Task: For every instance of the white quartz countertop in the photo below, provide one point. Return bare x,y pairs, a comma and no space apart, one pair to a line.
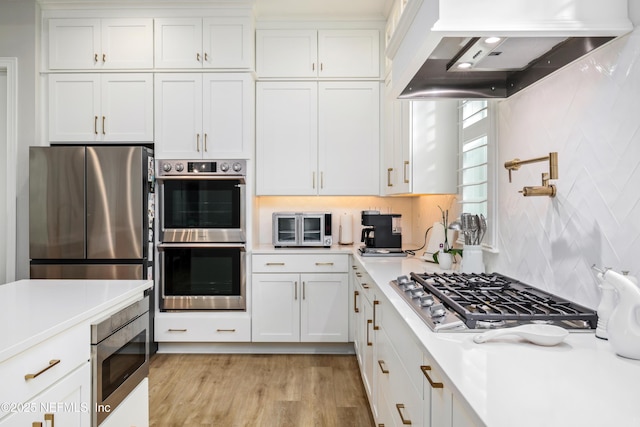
34,310
510,382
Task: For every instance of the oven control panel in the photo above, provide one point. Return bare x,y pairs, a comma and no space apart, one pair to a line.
203,167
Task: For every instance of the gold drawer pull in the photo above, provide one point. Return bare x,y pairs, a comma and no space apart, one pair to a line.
225,330
271,264
400,407
324,263
52,363
177,330
358,274
355,302
365,285
383,368
369,321
49,417
426,374
375,303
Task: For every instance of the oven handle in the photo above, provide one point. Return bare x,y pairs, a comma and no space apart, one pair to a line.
240,246
203,177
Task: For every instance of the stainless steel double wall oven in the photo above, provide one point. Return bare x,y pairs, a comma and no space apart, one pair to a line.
202,246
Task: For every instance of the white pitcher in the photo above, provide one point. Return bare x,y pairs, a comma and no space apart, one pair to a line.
623,327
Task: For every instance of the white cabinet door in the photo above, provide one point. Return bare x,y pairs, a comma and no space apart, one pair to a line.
127,108
324,308
227,42
276,307
396,170
74,107
348,138
83,44
178,116
286,53
100,108
286,138
178,43
349,53
127,43
74,44
133,411
324,53
227,112
66,403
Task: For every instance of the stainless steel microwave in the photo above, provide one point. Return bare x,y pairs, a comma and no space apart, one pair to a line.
291,229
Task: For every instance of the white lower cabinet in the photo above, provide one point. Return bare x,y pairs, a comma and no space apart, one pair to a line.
295,299
202,327
133,411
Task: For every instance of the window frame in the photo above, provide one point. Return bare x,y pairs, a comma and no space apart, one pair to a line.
483,127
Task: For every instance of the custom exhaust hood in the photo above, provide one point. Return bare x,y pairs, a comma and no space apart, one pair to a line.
494,48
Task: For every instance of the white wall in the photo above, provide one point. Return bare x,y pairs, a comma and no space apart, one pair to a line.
18,20
588,113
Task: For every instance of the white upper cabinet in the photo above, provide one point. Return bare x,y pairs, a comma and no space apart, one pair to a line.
214,42
101,107
202,115
317,138
110,44
318,53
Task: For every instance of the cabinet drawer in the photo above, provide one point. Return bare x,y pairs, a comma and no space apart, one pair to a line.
402,341
303,263
200,328
48,362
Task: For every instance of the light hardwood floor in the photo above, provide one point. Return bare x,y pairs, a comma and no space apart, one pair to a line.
229,390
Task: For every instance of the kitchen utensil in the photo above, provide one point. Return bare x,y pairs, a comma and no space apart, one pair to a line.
546,335
483,227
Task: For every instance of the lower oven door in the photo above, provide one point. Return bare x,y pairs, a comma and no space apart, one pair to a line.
120,363
202,276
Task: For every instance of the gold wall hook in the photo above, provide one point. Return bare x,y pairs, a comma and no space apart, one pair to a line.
546,189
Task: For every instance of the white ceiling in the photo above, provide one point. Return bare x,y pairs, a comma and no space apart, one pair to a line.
316,9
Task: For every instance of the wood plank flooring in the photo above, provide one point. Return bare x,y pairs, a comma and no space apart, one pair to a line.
257,390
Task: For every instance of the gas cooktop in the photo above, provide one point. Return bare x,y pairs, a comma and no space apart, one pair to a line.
464,302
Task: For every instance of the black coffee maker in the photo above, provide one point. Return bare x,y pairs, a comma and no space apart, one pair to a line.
381,234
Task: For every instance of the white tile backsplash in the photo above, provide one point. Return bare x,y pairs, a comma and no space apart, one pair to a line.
588,113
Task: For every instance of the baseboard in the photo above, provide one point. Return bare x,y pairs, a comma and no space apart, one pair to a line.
257,348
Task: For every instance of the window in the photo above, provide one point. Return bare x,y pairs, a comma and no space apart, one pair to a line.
477,193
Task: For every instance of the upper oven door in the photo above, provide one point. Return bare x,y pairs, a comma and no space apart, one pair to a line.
202,209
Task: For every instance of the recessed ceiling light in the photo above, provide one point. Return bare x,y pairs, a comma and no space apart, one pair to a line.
492,40
464,65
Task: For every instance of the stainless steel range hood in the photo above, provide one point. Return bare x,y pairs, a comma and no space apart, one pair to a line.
494,48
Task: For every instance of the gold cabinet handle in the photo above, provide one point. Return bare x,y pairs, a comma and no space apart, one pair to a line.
198,56
425,370
369,321
304,290
375,326
404,171
104,57
206,56
383,365
225,330
198,142
358,274
205,142
321,180
49,417
313,66
52,363
295,290
36,424
354,267
177,330
365,285
103,122
389,170
271,264
324,263
321,66
95,58
355,302
400,407
313,180
95,124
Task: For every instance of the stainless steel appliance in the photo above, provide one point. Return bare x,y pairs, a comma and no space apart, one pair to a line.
381,234
119,357
91,212
301,229
450,302
202,200
202,208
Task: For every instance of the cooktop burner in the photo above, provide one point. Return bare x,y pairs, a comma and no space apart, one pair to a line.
460,301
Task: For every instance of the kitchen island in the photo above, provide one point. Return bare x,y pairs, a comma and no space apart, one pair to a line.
45,346
508,381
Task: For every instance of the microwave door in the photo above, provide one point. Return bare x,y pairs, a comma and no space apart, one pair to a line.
310,230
